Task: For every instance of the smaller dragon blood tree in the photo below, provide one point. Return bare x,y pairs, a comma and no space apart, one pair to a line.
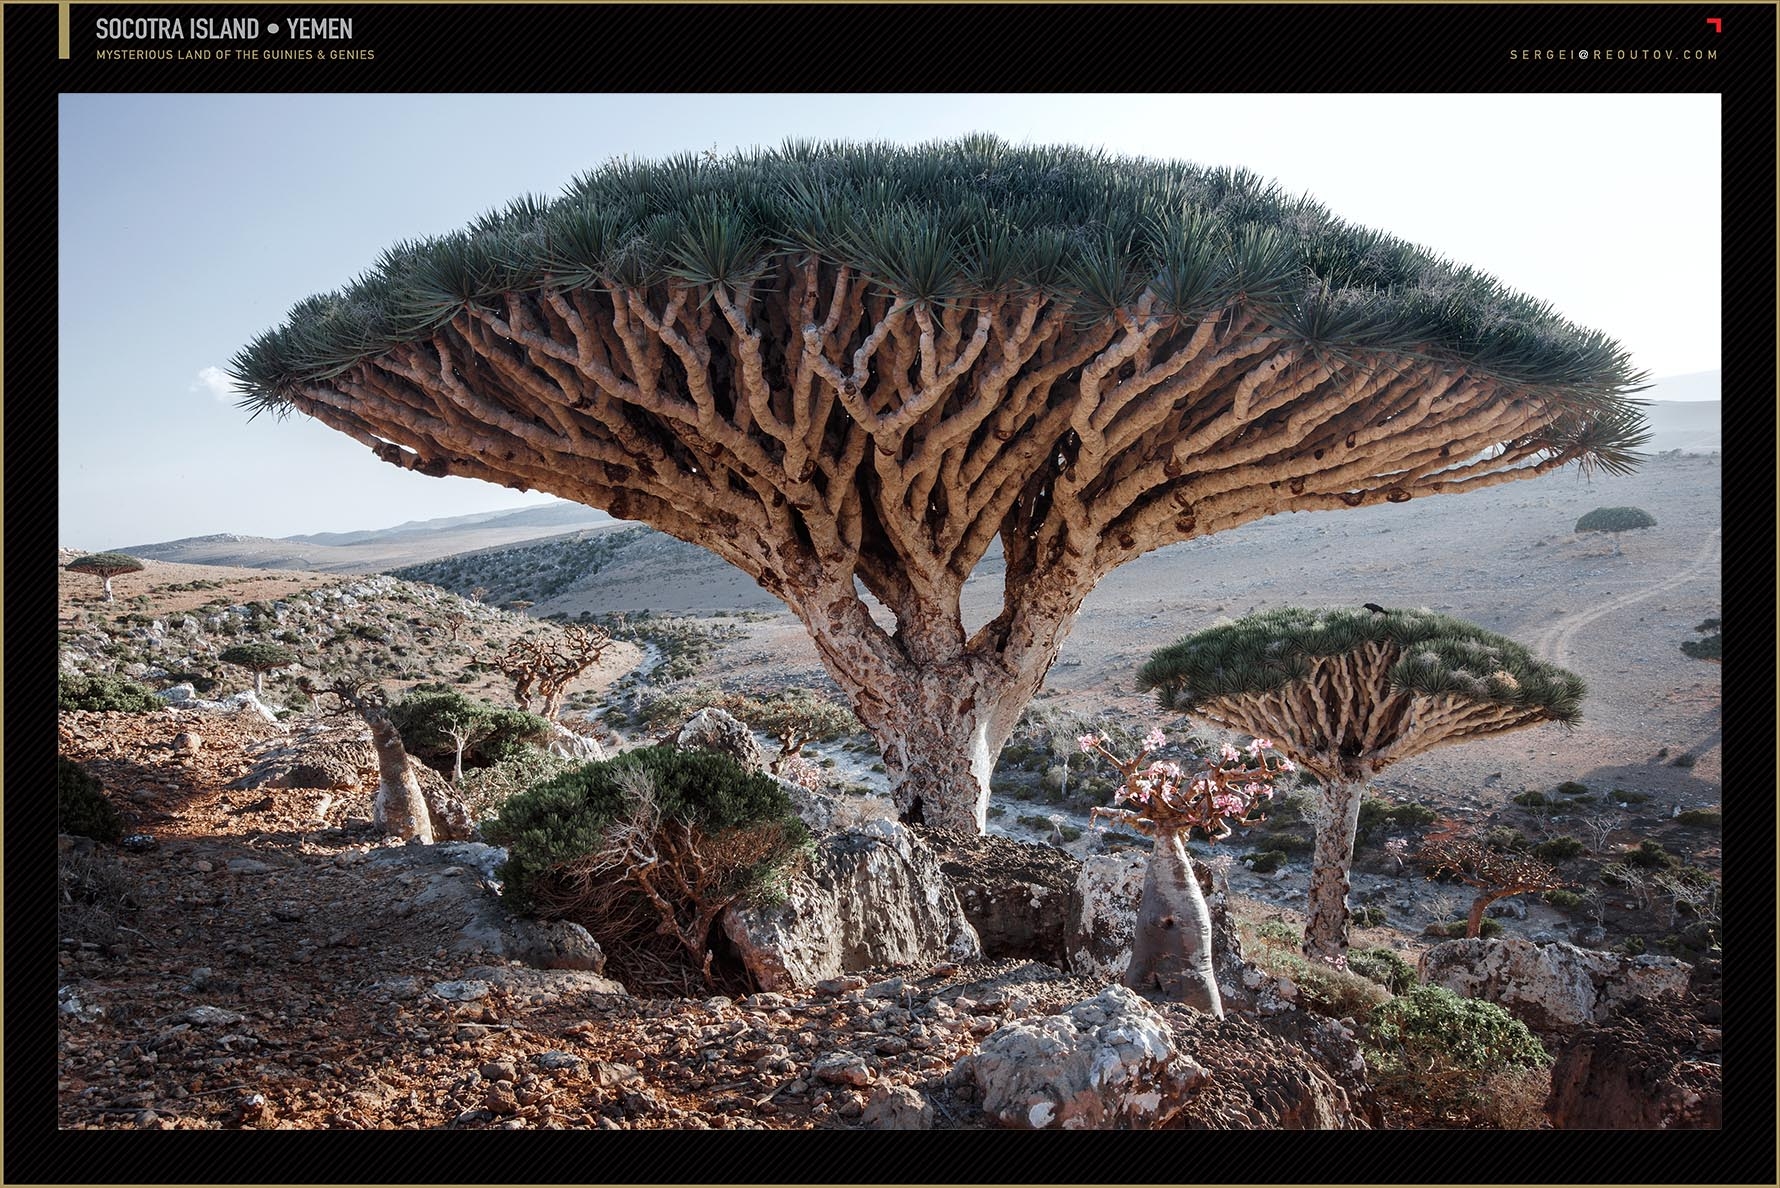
1171,952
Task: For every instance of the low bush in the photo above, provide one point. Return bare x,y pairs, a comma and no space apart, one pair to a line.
1322,988
1368,917
493,733
1625,797
1504,840
81,806
1384,967
485,789
1532,798
1378,815
1651,856
1707,817
1449,1055
1264,861
104,693
1567,901
646,848
1277,934
1558,849
1570,788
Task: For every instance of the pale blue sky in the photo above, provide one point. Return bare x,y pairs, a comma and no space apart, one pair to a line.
190,223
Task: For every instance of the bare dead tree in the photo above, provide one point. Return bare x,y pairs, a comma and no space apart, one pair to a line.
550,664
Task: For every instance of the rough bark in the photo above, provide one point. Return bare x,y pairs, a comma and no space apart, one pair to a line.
1171,951
107,578
822,433
1326,915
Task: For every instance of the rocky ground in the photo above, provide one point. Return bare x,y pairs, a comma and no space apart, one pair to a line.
252,957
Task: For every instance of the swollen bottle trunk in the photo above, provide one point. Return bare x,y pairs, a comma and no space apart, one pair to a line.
1171,952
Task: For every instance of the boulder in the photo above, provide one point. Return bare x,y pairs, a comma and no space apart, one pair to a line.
1258,1079
1555,986
570,745
178,694
870,897
331,759
1653,1068
1108,1063
712,729
1020,897
897,1107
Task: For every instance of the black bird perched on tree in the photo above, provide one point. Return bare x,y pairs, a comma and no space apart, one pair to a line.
1375,608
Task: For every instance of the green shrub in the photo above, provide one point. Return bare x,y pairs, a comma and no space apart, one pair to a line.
1651,856
1264,861
1505,840
1567,901
1384,967
1277,934
566,817
1624,797
424,717
1324,989
485,789
1558,849
1685,759
1532,798
1377,813
1709,817
1632,946
104,693
1570,788
1450,1055
1368,917
1488,927
81,806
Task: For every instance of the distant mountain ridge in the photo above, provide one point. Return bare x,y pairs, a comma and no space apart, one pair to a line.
379,549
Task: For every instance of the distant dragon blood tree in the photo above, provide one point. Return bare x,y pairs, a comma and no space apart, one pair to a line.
1614,520
1347,693
259,659
852,368
104,566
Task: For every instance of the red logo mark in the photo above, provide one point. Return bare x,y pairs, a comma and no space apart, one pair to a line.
1717,24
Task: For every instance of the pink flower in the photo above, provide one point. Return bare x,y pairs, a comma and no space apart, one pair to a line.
1229,754
1087,742
1258,745
1154,740
1252,790
1286,764
1228,803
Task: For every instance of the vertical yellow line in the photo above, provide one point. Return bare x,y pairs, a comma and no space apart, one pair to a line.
62,21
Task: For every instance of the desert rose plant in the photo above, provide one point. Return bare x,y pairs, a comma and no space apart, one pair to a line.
1171,952
852,369
1347,693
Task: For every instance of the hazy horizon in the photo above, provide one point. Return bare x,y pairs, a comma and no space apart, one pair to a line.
153,448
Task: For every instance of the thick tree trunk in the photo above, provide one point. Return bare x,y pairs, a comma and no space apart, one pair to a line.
258,677
108,588
1326,915
1171,952
400,807
1474,924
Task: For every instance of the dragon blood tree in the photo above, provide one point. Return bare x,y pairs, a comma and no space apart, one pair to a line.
852,369
104,566
1495,874
1347,693
1171,951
